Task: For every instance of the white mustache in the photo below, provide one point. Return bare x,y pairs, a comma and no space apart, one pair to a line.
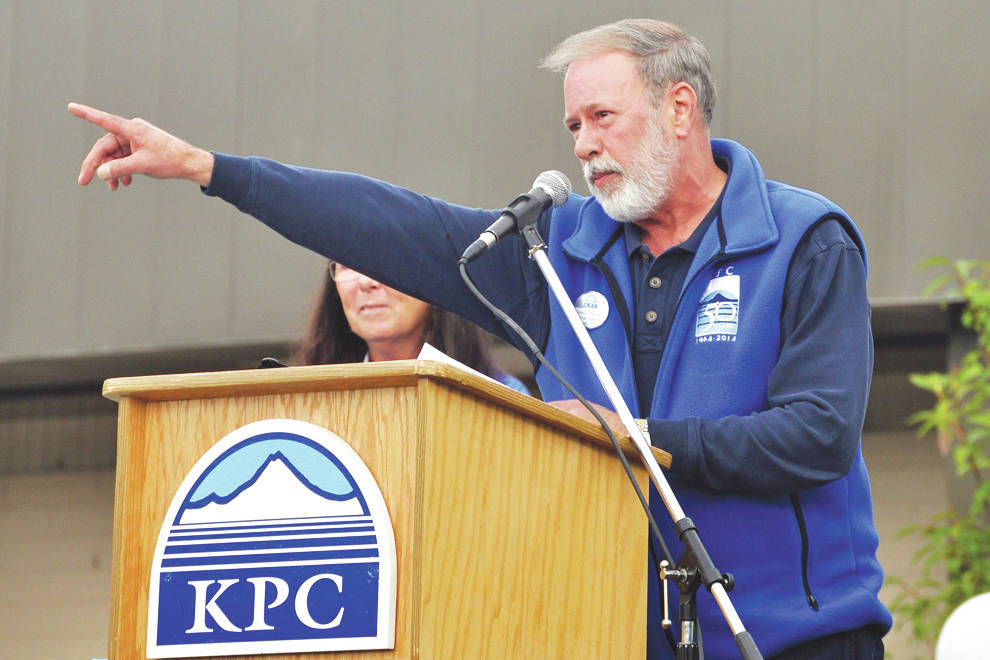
600,165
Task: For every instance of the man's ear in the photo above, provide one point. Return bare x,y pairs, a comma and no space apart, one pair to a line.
682,108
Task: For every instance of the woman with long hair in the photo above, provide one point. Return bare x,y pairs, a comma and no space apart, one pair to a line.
356,318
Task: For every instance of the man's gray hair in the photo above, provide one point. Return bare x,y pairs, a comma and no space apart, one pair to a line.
667,55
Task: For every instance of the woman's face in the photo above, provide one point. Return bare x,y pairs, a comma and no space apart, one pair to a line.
391,323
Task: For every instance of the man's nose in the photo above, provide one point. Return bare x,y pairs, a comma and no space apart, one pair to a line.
587,144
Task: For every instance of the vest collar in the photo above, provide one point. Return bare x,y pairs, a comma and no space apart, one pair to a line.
746,223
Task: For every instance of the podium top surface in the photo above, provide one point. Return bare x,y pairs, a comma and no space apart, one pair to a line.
250,382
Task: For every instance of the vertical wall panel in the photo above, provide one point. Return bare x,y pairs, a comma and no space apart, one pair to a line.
436,93
6,54
773,86
860,123
194,233
948,140
356,99
42,213
276,91
509,152
116,279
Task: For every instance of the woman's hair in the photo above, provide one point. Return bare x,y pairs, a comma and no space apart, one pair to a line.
328,338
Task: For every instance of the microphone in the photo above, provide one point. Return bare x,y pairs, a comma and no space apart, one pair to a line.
550,188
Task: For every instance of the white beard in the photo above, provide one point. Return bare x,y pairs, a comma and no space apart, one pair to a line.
646,183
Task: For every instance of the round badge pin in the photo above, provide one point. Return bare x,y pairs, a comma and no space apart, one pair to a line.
592,308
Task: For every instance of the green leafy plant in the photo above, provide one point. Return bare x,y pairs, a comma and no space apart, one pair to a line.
954,559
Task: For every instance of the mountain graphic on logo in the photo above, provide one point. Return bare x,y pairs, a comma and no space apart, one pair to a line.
276,491
717,297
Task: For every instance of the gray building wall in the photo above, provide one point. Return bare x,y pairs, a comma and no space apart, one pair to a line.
879,106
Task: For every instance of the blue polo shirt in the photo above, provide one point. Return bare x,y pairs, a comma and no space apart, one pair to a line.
658,281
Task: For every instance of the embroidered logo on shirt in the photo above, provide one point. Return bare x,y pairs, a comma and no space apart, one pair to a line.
718,310
592,308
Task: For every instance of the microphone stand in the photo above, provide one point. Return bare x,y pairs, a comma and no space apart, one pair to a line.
695,567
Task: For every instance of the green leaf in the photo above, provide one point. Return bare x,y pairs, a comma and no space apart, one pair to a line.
931,262
932,381
936,284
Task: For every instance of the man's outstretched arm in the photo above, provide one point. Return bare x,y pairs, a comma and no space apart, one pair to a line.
133,146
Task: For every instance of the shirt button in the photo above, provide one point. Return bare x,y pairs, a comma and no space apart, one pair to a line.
651,316
645,256
655,282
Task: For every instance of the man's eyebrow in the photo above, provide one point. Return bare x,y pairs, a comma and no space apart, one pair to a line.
591,107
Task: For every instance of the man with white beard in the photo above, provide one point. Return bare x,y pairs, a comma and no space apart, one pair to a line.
731,311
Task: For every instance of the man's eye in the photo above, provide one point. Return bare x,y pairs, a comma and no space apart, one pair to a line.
574,128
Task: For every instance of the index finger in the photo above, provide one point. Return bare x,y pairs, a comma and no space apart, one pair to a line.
104,120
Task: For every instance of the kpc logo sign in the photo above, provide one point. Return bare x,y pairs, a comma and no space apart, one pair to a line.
277,541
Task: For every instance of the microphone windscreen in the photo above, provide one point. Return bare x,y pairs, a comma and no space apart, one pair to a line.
555,184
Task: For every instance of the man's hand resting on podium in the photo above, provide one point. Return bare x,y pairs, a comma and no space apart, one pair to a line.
133,146
575,407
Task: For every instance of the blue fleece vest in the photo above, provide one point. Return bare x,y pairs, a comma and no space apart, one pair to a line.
723,343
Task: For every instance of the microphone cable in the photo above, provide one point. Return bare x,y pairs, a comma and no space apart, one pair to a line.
538,354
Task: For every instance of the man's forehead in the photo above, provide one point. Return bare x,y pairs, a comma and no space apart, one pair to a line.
615,62
601,78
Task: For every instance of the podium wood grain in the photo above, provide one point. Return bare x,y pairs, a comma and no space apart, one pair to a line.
517,533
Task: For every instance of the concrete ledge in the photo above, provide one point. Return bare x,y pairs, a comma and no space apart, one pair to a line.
60,372
54,418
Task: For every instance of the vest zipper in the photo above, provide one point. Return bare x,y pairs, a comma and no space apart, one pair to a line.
803,528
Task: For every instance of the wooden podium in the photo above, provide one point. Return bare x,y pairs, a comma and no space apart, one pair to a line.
517,533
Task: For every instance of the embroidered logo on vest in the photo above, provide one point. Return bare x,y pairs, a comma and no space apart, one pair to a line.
718,310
